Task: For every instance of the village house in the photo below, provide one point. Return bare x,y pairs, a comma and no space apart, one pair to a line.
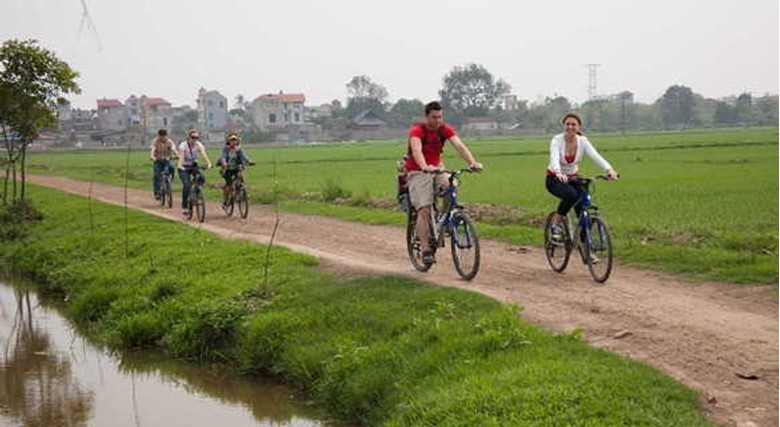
278,111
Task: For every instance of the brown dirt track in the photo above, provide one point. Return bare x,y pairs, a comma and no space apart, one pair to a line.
720,339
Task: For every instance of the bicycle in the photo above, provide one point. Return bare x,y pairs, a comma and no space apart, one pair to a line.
196,203
166,187
594,243
237,194
464,241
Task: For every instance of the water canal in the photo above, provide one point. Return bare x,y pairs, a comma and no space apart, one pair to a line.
50,375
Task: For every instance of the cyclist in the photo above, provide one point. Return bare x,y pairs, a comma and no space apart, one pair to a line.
189,152
426,142
161,152
566,152
230,162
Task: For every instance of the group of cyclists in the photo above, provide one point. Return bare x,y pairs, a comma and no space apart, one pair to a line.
424,158
163,150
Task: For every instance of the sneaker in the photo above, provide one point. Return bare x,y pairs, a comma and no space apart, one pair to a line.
224,206
185,211
593,259
157,197
428,258
556,233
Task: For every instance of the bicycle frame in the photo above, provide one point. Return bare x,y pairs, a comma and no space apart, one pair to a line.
443,221
587,210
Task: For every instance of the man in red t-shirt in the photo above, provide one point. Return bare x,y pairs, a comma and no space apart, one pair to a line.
426,142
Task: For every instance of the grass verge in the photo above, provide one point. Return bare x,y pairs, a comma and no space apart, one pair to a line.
377,351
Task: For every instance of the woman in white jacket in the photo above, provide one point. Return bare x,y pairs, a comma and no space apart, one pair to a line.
566,152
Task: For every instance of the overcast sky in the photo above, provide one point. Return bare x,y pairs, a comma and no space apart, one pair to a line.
170,48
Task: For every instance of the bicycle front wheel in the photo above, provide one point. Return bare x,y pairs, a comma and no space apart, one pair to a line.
243,203
557,251
231,201
598,250
464,243
413,246
200,204
167,196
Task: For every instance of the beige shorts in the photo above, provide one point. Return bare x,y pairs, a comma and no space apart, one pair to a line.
421,192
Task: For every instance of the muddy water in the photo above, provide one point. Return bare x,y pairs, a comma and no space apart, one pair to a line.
52,376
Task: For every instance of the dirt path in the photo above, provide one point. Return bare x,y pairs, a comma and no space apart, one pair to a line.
720,339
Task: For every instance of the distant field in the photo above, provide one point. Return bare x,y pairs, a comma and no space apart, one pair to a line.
704,203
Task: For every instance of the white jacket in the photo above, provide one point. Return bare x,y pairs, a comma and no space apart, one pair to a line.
557,156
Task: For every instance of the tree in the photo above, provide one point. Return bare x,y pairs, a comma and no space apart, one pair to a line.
471,91
725,113
365,95
406,111
744,109
363,87
677,106
32,81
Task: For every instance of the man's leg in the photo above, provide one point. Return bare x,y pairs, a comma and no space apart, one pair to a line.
421,197
157,167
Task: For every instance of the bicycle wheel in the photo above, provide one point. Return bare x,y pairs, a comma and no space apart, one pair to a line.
598,250
413,247
190,203
162,192
167,196
557,252
200,204
230,202
464,243
243,202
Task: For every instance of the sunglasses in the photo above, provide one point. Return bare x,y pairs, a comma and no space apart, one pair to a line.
194,137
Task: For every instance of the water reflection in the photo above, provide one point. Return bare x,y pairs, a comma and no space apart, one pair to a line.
51,376
37,387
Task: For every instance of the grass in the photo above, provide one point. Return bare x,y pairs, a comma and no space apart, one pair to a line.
701,203
375,351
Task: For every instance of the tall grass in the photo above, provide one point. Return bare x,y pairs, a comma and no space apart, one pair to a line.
376,351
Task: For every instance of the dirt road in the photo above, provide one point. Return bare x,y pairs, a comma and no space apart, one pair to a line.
720,339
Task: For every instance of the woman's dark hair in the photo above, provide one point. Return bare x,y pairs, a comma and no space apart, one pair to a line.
432,106
162,132
571,116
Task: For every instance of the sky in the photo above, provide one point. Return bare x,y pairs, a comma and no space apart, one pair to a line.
171,48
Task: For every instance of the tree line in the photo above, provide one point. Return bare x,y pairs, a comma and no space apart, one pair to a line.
471,91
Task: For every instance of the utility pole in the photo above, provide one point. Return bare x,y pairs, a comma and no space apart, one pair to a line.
592,80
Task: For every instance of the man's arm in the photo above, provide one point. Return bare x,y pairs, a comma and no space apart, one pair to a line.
152,150
415,144
464,152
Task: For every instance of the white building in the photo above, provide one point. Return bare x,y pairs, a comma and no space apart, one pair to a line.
277,111
212,110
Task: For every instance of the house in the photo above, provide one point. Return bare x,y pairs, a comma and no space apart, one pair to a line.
112,114
212,110
133,104
481,124
277,111
367,120
156,113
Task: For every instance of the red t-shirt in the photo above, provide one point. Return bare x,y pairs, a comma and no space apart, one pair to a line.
432,146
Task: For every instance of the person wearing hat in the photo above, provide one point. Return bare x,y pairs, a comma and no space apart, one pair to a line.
230,162
161,152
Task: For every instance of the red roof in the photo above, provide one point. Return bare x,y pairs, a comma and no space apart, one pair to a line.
155,101
284,97
105,103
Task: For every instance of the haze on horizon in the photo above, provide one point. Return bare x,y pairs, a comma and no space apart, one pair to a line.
170,48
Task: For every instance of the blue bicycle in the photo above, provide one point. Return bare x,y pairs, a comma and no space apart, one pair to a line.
454,222
594,242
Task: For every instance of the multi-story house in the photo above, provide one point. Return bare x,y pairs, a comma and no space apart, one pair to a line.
212,110
133,104
112,115
156,113
277,111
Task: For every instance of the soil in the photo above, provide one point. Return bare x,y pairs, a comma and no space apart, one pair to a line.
720,339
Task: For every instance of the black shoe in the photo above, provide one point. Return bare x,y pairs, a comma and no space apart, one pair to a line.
428,258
